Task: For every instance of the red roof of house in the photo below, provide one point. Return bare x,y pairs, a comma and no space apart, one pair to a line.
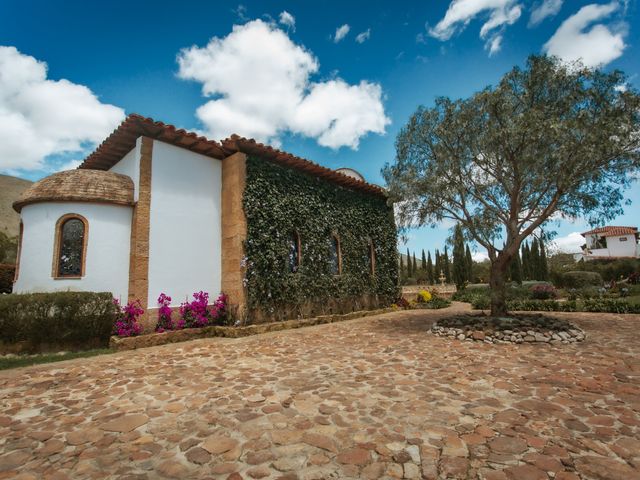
611,231
123,139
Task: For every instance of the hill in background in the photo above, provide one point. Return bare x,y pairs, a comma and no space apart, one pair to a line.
10,190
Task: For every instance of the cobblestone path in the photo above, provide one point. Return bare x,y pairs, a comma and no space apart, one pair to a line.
379,397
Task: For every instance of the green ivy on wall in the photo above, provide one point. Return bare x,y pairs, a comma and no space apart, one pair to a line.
279,201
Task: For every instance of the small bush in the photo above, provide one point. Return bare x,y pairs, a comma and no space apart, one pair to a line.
609,305
7,272
126,324
402,302
543,292
73,319
578,279
424,296
198,313
437,302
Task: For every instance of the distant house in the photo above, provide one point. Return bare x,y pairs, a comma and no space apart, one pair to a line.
610,242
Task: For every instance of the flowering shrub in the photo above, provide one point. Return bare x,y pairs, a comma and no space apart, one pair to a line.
543,292
402,303
198,313
164,314
126,324
424,296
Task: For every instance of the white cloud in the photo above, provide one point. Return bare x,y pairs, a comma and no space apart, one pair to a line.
265,90
288,20
41,117
495,45
596,46
498,14
548,8
341,32
70,165
568,244
363,36
479,256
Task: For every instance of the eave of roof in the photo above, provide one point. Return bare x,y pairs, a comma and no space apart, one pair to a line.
123,139
611,231
236,143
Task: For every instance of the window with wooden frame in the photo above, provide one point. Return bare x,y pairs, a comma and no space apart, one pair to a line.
294,258
335,255
371,257
70,249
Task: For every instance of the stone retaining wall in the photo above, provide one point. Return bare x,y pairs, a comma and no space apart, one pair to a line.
152,339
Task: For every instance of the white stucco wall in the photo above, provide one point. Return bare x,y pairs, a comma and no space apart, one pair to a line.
130,165
616,247
185,224
107,257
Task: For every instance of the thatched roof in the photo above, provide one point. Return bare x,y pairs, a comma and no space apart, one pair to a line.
83,185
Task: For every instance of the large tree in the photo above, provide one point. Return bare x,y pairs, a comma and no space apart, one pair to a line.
549,139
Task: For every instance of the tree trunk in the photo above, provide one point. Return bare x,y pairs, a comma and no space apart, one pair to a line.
497,286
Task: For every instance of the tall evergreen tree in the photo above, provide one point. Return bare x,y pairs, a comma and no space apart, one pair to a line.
534,260
469,261
415,265
438,268
401,269
409,271
544,266
430,276
526,264
424,261
446,265
515,269
459,259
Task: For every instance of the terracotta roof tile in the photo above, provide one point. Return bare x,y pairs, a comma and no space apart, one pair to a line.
611,231
79,186
123,139
236,143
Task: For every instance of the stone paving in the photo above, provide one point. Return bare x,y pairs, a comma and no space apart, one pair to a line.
380,397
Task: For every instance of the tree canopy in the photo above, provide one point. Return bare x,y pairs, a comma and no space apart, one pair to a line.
551,139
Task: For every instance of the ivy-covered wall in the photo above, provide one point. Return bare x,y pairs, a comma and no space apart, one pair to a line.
279,201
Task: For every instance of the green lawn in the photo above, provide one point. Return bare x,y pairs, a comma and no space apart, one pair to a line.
27,360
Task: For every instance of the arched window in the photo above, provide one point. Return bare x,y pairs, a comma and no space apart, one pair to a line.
371,257
295,252
335,255
71,246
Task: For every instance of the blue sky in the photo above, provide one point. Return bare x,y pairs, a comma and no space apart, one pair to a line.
297,79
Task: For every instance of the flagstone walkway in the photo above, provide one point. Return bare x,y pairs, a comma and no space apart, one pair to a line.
379,397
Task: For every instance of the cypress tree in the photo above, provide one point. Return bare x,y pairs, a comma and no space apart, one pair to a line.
447,268
409,272
414,267
469,262
430,277
401,269
544,266
424,261
526,264
534,260
459,259
515,269
438,268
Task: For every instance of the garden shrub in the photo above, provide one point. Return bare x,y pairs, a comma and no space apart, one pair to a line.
436,303
609,305
71,319
126,324
424,296
7,272
543,292
609,269
581,279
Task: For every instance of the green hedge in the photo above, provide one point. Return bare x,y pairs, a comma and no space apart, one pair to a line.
73,319
278,201
7,272
602,305
579,279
